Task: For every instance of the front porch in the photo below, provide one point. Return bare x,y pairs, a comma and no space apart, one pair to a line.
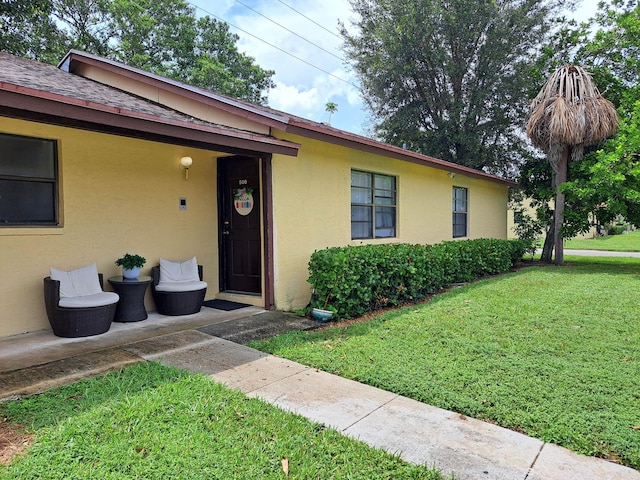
37,348
32,363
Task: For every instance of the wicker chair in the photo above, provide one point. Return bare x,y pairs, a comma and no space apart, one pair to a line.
184,302
76,321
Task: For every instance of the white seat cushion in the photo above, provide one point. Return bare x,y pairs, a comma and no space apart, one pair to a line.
84,301
186,271
79,282
180,286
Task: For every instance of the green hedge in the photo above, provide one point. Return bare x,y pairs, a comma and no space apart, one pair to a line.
351,281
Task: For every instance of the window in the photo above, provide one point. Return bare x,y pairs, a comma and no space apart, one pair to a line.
460,205
373,205
28,181
518,216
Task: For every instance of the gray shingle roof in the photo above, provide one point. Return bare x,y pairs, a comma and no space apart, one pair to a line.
50,79
42,92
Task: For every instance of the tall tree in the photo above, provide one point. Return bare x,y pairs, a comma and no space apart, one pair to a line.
612,51
219,66
568,114
84,24
154,35
332,108
27,29
450,78
609,178
161,36
605,184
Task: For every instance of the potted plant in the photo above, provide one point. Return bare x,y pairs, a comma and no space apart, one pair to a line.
131,265
322,314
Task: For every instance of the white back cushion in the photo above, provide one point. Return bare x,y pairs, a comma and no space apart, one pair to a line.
186,271
79,282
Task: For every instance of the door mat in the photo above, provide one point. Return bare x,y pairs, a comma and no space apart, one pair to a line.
225,305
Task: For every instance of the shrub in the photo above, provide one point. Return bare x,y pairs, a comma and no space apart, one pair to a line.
351,281
529,230
616,229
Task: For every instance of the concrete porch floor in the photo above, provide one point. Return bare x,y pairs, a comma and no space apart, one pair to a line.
37,348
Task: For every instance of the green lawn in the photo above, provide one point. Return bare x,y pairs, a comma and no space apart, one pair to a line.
549,351
628,242
152,422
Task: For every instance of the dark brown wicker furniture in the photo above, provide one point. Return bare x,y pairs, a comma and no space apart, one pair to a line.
75,322
176,303
131,304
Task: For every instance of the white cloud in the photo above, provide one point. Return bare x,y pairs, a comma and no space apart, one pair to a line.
318,75
289,98
305,84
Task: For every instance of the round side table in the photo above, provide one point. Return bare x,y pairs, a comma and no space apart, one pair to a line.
130,307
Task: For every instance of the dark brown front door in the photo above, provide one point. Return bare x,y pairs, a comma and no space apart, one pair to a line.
240,246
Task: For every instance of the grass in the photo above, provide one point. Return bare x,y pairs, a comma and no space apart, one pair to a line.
628,242
151,422
551,352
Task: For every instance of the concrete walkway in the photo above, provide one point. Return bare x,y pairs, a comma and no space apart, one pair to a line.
599,253
421,434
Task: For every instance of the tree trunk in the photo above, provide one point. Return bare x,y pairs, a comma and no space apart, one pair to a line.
547,248
561,177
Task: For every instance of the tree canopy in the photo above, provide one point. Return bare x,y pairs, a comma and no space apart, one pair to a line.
451,78
161,36
27,29
606,183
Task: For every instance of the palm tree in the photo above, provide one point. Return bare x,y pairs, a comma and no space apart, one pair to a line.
568,114
332,108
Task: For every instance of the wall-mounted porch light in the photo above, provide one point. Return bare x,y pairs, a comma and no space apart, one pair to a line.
186,163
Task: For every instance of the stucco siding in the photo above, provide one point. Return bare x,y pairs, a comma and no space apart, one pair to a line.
117,195
312,205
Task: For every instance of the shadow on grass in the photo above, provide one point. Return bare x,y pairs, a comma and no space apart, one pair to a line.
68,401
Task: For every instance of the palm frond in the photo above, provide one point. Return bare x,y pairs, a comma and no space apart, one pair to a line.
570,111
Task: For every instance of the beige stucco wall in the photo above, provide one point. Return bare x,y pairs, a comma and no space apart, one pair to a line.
121,195
312,200
117,195
527,209
164,97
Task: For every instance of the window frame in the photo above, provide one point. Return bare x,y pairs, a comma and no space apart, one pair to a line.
34,178
375,207
518,216
459,213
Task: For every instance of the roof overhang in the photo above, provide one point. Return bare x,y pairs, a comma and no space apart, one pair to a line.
273,118
74,59
30,104
340,137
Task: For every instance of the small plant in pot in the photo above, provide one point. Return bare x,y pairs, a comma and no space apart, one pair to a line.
131,265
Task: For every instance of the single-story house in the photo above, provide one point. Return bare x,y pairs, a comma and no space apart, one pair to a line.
90,168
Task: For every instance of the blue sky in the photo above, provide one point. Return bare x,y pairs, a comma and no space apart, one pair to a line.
303,48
